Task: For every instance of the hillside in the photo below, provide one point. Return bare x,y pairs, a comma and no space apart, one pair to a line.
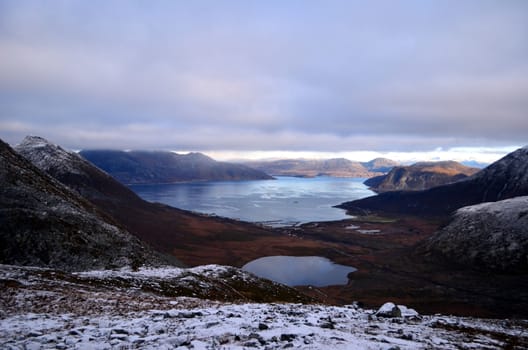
420,176
380,165
43,223
144,167
194,239
506,178
489,236
338,167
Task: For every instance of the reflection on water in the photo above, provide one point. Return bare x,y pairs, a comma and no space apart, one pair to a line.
300,270
285,201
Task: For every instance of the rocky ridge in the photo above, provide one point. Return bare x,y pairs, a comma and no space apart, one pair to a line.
420,176
44,223
489,236
155,167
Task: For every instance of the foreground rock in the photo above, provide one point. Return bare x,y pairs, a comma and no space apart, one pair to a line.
487,236
44,223
392,310
46,315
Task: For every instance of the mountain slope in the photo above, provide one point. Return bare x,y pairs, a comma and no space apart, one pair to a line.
420,176
380,165
173,231
43,223
487,236
143,167
338,167
506,178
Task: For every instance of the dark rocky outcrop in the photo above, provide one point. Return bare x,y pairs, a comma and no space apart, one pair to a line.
420,176
43,223
144,167
489,236
506,178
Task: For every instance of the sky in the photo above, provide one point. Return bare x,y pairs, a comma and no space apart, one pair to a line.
408,79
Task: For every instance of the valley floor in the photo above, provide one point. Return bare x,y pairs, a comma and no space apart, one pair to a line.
62,314
390,267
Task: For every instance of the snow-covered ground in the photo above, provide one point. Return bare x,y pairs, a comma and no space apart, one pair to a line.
38,315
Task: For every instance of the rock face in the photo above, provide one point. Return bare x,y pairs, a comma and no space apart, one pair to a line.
143,167
166,228
487,236
43,223
338,167
506,178
420,176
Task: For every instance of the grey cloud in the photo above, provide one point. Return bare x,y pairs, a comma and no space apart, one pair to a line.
343,75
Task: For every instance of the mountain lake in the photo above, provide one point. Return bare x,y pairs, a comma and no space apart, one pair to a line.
300,270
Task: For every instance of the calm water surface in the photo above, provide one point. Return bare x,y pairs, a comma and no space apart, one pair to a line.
285,201
300,270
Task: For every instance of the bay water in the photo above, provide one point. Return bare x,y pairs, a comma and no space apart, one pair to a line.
282,202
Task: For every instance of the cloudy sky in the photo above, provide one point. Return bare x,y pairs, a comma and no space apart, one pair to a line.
267,77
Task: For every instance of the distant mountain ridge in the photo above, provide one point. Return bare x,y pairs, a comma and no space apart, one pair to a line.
337,167
44,223
420,176
149,167
380,165
506,178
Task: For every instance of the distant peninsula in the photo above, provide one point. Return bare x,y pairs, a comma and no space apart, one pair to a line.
420,176
336,167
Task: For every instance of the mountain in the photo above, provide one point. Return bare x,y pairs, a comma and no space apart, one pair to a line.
420,176
145,167
338,167
380,165
194,238
506,178
488,236
43,223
